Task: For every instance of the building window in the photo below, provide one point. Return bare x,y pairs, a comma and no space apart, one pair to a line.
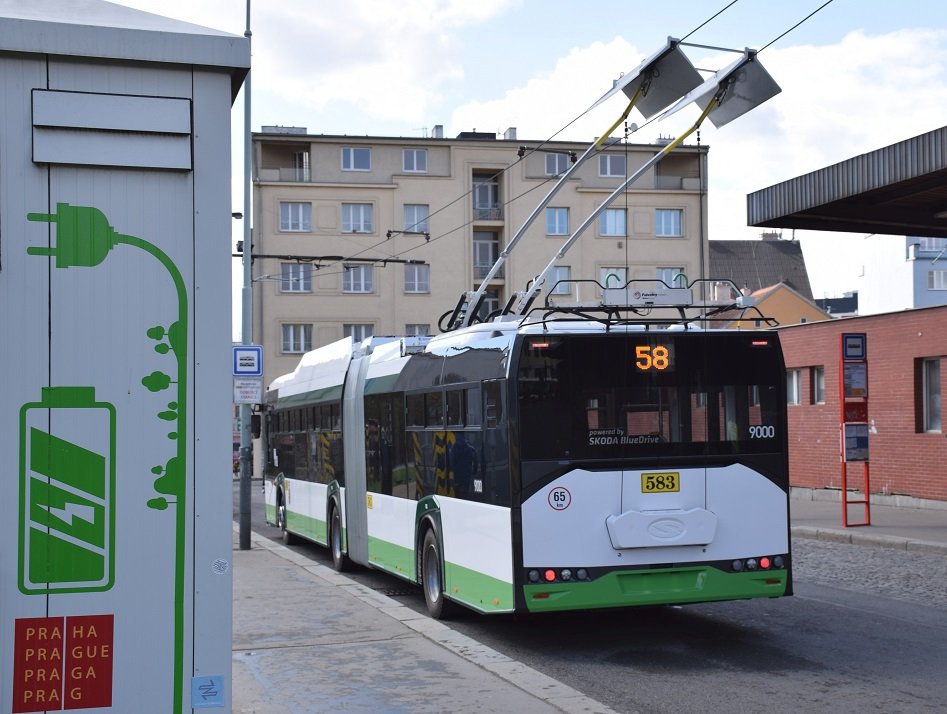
557,221
558,280
357,218
358,331
417,278
930,394
667,222
415,217
611,165
817,377
929,244
556,164
937,280
297,338
356,158
613,277
414,161
417,329
793,386
486,198
296,278
490,304
486,247
357,279
672,277
612,222
295,216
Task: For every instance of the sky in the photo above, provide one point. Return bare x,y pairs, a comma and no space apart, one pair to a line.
856,76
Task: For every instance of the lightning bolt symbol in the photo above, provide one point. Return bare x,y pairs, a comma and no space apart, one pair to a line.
71,512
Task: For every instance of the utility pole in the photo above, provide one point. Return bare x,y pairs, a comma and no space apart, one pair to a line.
246,465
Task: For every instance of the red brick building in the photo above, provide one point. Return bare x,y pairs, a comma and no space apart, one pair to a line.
907,440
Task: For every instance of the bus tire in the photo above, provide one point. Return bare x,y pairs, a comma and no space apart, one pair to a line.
432,578
288,538
339,560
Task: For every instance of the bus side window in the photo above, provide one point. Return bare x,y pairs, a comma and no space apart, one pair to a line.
473,407
492,405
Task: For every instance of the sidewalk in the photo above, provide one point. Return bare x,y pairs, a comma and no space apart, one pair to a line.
307,639
896,522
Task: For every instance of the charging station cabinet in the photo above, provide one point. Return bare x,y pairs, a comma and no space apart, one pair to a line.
115,299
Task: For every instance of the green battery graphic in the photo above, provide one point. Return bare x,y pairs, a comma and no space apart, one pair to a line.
67,492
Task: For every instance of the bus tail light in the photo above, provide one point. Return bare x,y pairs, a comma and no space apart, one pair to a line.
763,562
554,575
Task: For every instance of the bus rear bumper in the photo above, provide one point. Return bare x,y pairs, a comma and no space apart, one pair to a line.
668,586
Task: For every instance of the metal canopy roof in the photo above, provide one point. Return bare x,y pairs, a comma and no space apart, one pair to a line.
899,190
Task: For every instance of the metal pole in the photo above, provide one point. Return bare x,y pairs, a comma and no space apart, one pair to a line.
246,465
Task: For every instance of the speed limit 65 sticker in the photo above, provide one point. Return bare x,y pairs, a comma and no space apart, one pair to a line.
560,498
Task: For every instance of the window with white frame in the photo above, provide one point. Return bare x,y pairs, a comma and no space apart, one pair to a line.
793,386
556,164
417,278
613,277
670,277
667,222
295,277
414,161
356,158
491,303
358,331
817,375
415,217
296,338
357,279
357,218
486,250
937,280
559,274
295,216
929,244
612,222
557,221
611,165
930,394
417,329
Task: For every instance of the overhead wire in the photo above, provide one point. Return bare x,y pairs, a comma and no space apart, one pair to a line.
540,145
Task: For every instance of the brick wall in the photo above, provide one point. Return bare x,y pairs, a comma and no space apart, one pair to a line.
902,461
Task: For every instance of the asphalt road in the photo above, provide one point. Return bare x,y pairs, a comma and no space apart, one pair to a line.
865,632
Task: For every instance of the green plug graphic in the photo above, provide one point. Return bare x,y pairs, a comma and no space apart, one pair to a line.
83,237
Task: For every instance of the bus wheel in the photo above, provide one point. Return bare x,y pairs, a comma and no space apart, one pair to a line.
432,579
339,561
288,538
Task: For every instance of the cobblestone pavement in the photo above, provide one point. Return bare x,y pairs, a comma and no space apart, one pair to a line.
910,576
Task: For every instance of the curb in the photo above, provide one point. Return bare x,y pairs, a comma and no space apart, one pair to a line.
836,535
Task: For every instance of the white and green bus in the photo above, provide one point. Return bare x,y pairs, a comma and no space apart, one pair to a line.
542,464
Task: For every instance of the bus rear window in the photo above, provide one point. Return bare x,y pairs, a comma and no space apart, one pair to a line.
607,396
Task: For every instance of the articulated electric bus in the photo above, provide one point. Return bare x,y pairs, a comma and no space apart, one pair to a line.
542,463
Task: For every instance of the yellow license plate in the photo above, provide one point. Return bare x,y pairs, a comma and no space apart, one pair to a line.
666,482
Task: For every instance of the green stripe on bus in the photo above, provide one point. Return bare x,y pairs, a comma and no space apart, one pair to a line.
270,512
672,586
478,591
306,526
393,558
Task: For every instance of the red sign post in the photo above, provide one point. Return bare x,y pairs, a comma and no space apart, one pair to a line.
853,422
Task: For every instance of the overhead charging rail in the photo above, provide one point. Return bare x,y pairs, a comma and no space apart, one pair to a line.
667,80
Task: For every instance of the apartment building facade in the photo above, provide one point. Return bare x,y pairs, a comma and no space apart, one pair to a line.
367,236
